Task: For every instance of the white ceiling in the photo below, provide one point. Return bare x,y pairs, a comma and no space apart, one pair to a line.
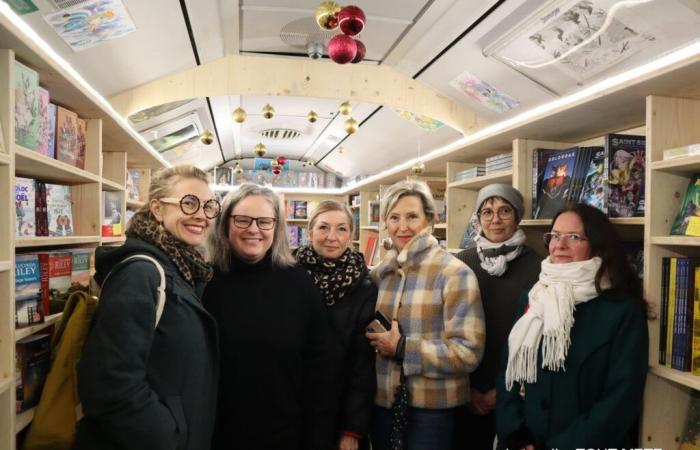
433,41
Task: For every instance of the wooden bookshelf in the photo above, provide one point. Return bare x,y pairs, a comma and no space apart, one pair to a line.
683,378
21,333
370,227
683,165
5,384
108,185
23,419
56,241
5,266
31,164
503,176
134,204
114,240
675,241
5,159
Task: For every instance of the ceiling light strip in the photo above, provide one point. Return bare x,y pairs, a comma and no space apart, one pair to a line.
28,34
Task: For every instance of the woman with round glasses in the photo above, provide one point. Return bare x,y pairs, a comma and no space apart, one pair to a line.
142,385
577,356
277,350
504,267
341,276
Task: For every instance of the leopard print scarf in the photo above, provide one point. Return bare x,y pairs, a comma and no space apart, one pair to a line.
187,260
333,277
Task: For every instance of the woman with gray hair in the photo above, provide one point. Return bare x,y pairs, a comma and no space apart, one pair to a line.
505,267
276,390
435,332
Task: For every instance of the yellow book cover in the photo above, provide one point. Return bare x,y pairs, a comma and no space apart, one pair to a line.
671,311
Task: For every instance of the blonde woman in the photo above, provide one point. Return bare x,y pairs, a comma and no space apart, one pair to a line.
437,328
341,276
143,387
277,363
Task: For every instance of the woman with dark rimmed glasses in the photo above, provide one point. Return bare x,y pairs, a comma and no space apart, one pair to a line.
277,378
577,355
142,385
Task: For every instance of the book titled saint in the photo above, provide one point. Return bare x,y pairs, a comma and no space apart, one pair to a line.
626,169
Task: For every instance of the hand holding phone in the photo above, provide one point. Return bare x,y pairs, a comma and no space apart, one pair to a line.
379,324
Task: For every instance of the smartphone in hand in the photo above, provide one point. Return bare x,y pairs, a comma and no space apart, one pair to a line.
379,324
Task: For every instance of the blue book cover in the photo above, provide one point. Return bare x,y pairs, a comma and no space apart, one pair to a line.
27,290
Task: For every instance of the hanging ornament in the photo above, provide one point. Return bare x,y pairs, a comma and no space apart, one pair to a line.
345,108
351,20
260,150
341,150
281,160
268,111
361,52
312,116
342,49
276,170
327,15
273,162
418,168
239,115
238,169
206,137
351,126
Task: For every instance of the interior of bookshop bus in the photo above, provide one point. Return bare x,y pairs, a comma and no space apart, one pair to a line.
317,225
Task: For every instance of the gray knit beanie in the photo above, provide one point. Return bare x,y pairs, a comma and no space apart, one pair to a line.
505,191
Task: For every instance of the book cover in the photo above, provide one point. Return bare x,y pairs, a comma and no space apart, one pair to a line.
293,235
42,145
80,268
51,145
40,210
66,136
556,184
373,213
583,159
32,364
626,173
81,146
137,185
687,220
112,222
26,106
59,210
539,163
593,192
695,341
55,269
223,175
671,309
300,209
370,248
28,310
289,209
25,207
663,325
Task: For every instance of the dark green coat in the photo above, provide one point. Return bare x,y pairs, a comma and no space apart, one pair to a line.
597,400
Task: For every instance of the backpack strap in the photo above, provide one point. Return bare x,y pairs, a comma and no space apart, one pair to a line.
160,305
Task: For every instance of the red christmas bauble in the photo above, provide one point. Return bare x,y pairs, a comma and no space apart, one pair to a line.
361,51
342,49
351,20
281,160
276,170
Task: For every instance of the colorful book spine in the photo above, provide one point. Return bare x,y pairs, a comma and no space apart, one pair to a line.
672,283
25,207
663,326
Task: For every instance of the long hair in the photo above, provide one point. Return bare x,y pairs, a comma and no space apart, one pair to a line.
606,244
219,247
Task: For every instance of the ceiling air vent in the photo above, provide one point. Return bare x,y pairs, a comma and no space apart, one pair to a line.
65,4
280,133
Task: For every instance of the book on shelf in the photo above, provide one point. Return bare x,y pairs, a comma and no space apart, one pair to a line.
300,209
51,143
466,174
41,216
43,143
28,306
370,250
112,221
80,268
469,237
59,210
687,222
137,184
81,143
593,191
25,207
373,214
27,116
626,174
356,224
66,136
556,183
56,270
32,364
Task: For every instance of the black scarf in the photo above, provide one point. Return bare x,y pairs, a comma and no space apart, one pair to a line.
186,258
333,277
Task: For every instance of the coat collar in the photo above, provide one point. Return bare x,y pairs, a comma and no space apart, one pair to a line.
415,251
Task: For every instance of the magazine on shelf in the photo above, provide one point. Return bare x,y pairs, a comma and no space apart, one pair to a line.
687,220
558,174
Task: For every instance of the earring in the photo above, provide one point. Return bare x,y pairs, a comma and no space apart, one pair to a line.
387,243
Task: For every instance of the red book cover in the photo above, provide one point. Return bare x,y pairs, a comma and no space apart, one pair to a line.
370,248
55,269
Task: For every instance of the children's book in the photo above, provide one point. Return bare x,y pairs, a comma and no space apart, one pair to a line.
25,207
44,122
27,115
28,308
59,210
688,218
66,136
626,173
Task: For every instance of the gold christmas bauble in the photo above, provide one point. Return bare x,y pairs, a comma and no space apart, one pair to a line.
418,168
345,108
268,111
351,126
239,115
327,15
341,150
206,137
238,169
312,116
260,150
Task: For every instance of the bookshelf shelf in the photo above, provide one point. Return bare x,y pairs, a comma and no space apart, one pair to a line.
5,384
5,159
297,220
440,226
686,165
28,331
680,241
454,250
354,206
614,220
370,227
23,419
535,222
503,176
684,378
56,241
5,266
134,204
35,165
109,185
113,239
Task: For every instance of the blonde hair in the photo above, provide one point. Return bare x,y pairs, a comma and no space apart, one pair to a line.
328,206
219,247
407,188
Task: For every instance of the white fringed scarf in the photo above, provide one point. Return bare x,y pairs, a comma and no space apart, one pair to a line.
494,256
550,315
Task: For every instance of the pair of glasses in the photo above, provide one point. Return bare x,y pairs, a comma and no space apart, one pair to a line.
572,239
190,204
263,223
504,213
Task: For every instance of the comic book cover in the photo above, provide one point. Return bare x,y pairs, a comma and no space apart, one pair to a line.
593,192
626,169
688,218
556,184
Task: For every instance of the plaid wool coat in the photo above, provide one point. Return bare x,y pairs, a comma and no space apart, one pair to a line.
435,298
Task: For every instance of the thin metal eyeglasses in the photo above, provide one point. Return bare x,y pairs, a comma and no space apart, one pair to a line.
190,204
244,222
572,239
504,213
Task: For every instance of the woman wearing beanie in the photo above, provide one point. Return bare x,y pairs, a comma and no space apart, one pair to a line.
577,356
505,267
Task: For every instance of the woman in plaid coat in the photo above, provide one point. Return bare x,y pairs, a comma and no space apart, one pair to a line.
437,327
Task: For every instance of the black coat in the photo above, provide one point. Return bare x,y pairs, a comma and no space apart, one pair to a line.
349,318
143,388
277,386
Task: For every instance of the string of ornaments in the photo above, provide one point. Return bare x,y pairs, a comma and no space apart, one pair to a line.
343,48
